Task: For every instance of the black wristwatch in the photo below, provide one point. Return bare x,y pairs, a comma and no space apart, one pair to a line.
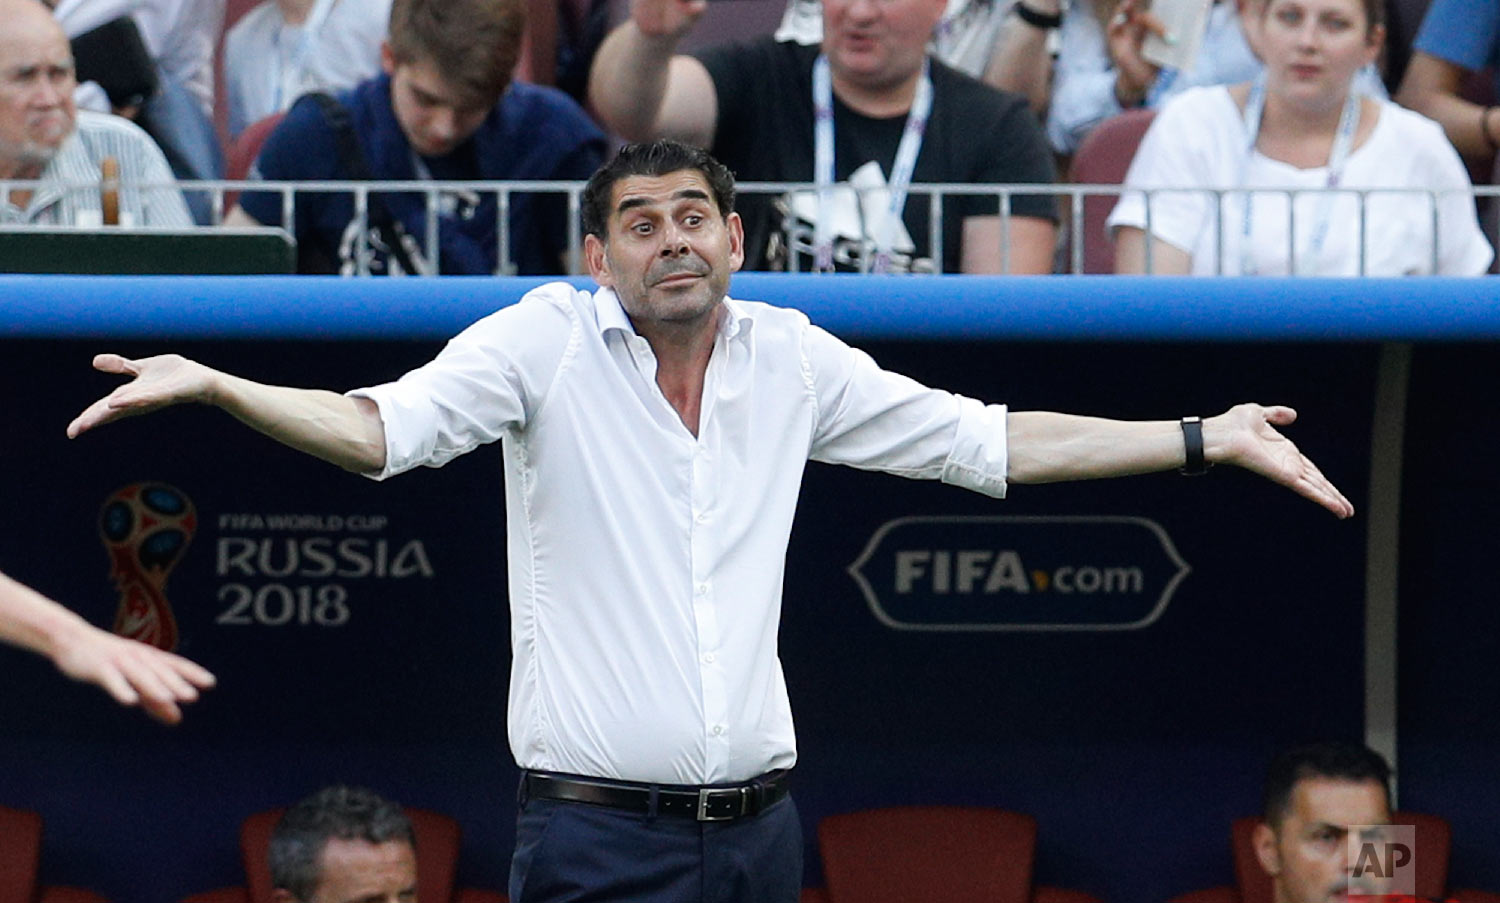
1194,463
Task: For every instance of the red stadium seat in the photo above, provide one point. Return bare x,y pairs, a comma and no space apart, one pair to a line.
21,854
1103,159
916,854
438,842
243,150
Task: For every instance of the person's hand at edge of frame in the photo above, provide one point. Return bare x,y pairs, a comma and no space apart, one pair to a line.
132,672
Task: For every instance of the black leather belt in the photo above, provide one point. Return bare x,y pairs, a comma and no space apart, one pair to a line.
720,802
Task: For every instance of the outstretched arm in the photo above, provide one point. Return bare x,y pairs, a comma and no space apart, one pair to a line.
1046,447
642,88
130,671
345,431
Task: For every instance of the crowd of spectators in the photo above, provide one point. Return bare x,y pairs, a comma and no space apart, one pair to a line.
1273,104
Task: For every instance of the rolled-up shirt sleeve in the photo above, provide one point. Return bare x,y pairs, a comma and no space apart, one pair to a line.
874,419
489,379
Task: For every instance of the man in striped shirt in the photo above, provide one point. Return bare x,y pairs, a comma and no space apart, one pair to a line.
45,140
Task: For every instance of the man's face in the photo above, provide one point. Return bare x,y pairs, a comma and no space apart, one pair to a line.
878,43
356,871
36,86
669,251
435,115
1310,855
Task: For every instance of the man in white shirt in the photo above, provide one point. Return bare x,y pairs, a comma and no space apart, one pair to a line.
46,140
655,433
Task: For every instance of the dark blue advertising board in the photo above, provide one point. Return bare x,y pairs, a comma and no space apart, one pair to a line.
1117,658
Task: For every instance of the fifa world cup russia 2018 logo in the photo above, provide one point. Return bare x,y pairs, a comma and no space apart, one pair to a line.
146,527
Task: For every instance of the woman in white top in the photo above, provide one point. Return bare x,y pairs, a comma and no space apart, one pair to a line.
1296,132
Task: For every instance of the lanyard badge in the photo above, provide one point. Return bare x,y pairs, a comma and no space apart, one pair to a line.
1338,155
901,170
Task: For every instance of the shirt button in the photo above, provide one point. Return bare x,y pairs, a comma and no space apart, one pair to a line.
702,518
708,658
718,729
703,589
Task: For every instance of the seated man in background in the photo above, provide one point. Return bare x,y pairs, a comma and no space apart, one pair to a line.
1314,794
130,671
869,107
45,138
343,844
444,109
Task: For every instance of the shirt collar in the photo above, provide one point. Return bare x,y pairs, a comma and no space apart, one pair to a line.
734,320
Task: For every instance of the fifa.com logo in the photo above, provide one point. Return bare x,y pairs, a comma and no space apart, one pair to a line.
1383,862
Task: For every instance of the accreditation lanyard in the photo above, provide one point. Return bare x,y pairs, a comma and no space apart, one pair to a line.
1343,141
286,82
901,169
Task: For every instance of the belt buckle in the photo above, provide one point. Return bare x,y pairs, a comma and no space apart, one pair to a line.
706,794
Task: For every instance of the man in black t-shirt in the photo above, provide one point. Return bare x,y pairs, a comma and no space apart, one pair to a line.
757,106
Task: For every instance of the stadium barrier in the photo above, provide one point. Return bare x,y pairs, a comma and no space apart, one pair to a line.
1080,229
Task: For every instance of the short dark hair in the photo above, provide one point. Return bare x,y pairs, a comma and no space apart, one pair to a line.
1327,759
474,44
656,158
346,813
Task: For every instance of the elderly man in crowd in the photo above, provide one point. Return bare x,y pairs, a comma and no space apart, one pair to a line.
45,139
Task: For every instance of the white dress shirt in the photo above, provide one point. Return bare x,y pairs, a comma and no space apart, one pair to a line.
646,564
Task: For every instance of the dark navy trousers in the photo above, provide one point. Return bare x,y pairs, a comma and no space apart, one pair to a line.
578,853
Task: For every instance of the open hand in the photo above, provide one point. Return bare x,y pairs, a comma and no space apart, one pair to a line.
159,381
132,672
1246,436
